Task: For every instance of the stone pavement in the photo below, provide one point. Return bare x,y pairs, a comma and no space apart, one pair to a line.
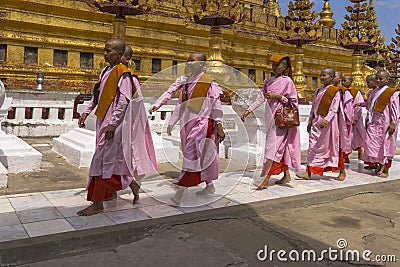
43,213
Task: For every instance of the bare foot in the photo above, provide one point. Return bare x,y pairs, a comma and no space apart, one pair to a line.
341,176
210,189
360,154
383,175
285,179
263,184
379,169
305,176
385,172
176,200
178,195
114,195
95,208
261,187
135,190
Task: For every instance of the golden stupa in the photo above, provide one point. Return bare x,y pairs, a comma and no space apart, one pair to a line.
65,39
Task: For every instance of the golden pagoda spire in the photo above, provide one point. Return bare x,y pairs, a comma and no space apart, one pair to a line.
358,34
395,44
372,18
326,15
377,56
272,8
301,30
394,67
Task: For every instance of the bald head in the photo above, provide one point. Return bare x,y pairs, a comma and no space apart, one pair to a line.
327,76
371,77
118,44
128,52
126,58
113,51
200,56
338,77
371,81
383,73
347,80
382,78
330,71
348,77
196,63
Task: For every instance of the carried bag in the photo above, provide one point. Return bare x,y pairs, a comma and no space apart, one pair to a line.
287,116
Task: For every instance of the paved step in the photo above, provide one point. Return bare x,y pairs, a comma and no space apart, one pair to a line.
48,220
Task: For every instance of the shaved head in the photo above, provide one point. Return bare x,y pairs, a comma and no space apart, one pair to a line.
371,77
128,51
383,72
113,51
119,44
200,56
330,71
338,73
348,76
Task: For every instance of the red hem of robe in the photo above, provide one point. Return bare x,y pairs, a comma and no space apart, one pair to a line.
100,189
387,164
320,170
277,168
190,179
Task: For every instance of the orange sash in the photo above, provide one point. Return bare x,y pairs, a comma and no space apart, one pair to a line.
383,99
354,92
343,89
326,100
199,93
110,90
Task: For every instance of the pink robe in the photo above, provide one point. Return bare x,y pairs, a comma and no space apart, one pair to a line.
323,149
345,115
199,153
109,157
138,151
358,131
287,140
380,146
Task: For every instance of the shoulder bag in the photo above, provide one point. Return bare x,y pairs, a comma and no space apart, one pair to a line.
287,116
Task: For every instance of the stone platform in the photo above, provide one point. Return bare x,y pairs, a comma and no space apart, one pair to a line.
16,155
24,216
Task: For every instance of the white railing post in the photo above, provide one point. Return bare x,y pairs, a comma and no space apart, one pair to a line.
53,114
20,113
37,114
68,115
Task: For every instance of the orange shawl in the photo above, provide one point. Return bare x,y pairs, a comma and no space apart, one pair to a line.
326,100
199,93
354,92
383,99
110,90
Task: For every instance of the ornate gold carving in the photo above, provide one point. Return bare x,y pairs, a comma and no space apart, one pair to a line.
327,15
75,27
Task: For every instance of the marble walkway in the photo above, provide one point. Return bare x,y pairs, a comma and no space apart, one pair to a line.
37,214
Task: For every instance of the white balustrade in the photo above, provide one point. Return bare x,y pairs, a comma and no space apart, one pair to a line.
51,112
